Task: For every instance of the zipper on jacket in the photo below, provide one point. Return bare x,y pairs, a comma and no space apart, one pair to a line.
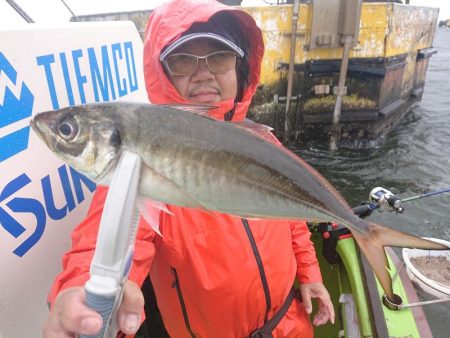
262,273
176,284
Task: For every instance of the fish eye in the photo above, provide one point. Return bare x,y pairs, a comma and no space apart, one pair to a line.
68,130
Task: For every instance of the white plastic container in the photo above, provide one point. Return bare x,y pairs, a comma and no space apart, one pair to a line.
430,286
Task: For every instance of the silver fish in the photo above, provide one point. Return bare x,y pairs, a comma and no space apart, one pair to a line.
191,160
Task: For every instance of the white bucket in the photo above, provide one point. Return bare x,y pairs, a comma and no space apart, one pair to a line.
430,286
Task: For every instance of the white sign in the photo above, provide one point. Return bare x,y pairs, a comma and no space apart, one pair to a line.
41,198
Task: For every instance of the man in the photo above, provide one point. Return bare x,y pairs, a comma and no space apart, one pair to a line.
214,275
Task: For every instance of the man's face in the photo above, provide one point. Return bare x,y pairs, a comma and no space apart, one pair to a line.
204,87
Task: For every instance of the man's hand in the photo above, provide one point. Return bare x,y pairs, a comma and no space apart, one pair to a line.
325,312
70,316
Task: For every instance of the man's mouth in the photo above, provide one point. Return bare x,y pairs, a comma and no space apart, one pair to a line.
205,96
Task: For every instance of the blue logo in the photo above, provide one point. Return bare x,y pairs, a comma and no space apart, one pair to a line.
112,73
14,109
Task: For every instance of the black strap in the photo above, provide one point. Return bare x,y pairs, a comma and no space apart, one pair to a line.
266,330
260,264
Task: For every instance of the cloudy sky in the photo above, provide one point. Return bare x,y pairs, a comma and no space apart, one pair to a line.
47,11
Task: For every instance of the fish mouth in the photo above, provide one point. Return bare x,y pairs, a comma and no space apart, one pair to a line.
37,128
34,127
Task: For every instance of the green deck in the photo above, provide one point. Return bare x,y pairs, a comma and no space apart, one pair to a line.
347,278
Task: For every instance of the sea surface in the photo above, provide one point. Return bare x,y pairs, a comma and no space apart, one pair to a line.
412,159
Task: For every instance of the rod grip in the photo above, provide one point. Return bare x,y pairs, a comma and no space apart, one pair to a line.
364,210
103,305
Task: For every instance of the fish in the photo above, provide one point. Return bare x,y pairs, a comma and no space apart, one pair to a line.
194,161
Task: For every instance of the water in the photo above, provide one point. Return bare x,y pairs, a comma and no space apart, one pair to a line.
412,159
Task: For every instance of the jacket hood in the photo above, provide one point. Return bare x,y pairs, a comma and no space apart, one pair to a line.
169,22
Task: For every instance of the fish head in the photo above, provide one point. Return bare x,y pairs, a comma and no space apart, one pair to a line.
81,136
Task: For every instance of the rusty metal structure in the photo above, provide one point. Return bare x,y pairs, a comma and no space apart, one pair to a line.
385,77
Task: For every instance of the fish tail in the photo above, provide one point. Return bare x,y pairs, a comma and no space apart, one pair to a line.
372,245
376,256
391,237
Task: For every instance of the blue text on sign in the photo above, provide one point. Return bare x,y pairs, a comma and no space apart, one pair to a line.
109,80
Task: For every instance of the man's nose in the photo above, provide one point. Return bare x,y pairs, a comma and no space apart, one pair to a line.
202,72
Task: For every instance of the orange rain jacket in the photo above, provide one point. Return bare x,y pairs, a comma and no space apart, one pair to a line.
214,275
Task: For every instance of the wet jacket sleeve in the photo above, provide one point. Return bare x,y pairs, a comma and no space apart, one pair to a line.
77,260
308,270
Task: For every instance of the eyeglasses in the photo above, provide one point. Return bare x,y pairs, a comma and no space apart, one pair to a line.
187,64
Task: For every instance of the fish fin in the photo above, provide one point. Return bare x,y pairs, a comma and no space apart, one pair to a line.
391,237
322,180
150,211
198,109
255,128
265,132
376,256
372,245
260,130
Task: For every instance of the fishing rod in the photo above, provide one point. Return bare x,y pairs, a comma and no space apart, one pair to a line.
381,198
437,192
